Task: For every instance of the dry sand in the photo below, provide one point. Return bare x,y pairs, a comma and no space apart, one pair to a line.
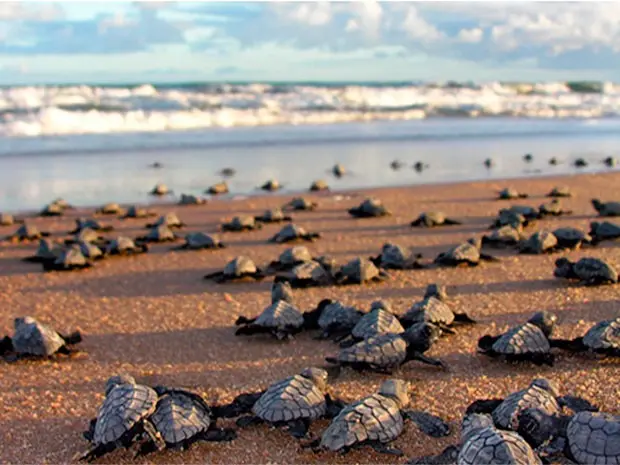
154,317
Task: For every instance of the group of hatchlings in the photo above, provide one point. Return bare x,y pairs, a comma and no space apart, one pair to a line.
529,426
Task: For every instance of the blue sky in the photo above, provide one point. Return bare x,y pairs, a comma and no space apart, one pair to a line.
87,42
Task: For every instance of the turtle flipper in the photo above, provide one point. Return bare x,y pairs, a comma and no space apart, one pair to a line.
298,428
485,343
251,329
428,360
464,318
219,435
483,406
384,449
447,457
90,433
573,345
489,258
429,424
577,404
73,338
6,345
217,276
93,453
242,320
240,405
244,422
334,406
451,222
153,435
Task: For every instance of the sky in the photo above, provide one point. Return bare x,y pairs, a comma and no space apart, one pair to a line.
145,42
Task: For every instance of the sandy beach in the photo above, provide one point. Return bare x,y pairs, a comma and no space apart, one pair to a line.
154,317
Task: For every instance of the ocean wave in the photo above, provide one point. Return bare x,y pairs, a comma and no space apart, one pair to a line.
67,110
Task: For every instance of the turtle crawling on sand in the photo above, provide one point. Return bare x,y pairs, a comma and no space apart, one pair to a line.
606,208
588,270
293,233
334,319
160,190
281,291
553,208
240,268
571,238
52,209
395,257
218,188
47,250
271,186
434,311
6,219
508,217
318,186
437,291
433,219
510,193
602,338
504,236
560,191
280,319
137,212
540,242
111,208
359,271
369,208
69,259
189,199
300,204
161,233
275,215
604,231
26,233
124,246
241,223
169,219
87,223
308,274
201,241
465,254
379,320
290,258
525,342
338,170
33,339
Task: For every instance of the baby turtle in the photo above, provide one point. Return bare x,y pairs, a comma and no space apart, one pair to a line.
395,257
281,291
33,339
432,310
123,417
334,319
359,271
280,319
540,242
493,446
571,238
6,219
188,199
505,236
182,418
293,233
465,254
86,235
47,250
525,342
290,258
301,204
604,231
69,259
580,163
275,215
90,250
240,268
27,232
200,241
318,186
137,212
241,223
369,208
560,191
160,190
433,219
293,403
169,219
111,208
52,209
437,291
606,208
610,162
271,186
125,246
530,213
602,338
386,352
510,193
380,320
308,274
507,217
376,421
338,170
553,208
161,233
590,271
218,189
82,223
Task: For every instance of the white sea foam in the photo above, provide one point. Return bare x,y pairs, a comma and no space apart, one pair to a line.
38,111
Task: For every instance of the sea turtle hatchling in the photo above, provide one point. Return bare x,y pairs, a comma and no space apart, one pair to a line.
530,213
334,319
602,338
69,259
369,208
47,250
507,217
170,219
238,269
318,186
218,188
27,232
375,421
395,257
292,403
437,291
571,238
307,274
281,291
494,446
275,215
271,185
52,209
6,219
124,246
290,258
86,235
158,234
603,231
292,233
525,342
90,250
560,191
87,223
300,204
135,212
34,339
553,208
590,271
190,199
606,208
160,190
540,242
510,193
387,352
465,254
111,208
280,319
123,418
432,219
432,310
359,271
241,223
200,241
379,320
504,236
182,418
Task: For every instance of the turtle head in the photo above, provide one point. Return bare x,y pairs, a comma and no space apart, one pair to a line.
397,389
380,305
547,385
474,422
421,336
596,203
545,321
311,318
118,380
536,427
317,375
475,241
22,321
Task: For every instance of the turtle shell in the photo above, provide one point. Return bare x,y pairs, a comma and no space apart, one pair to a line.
493,446
571,237
604,230
292,398
123,408
319,185
312,271
180,416
219,188
71,257
551,208
280,314
539,242
34,338
507,234
295,256
393,255
82,223
6,219
373,207
507,217
525,210
52,209
47,249
463,253
359,270
473,423
271,185
89,250
376,322
241,222
136,212
523,339
110,209
169,219
594,437
383,351
240,266
160,233
281,291
190,200
509,193
429,310
275,214
87,235
340,315
588,268
603,335
610,209
120,244
436,290
300,203
200,240
288,233
506,415
374,418
433,218
560,191
28,231
160,189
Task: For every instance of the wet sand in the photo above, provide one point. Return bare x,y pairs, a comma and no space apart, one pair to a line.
153,316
